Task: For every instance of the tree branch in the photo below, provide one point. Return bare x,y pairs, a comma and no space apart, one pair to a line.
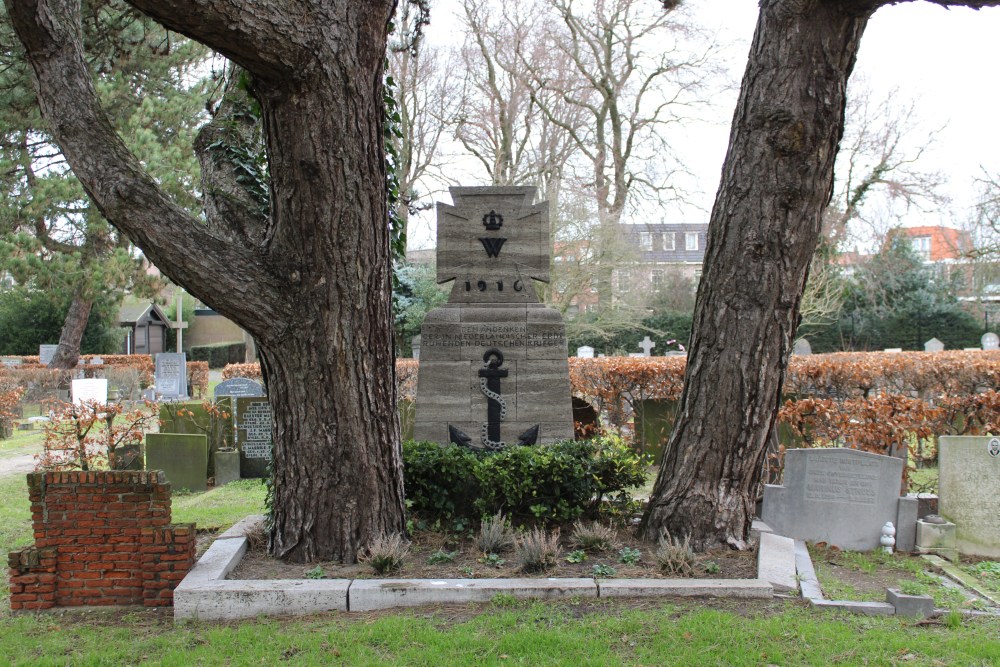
112,176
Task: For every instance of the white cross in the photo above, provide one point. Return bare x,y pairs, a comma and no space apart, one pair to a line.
646,345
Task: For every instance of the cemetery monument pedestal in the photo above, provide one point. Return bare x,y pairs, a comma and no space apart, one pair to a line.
494,367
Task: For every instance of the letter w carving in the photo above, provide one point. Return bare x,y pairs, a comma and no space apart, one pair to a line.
492,245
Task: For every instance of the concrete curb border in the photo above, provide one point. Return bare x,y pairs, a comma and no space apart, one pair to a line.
206,594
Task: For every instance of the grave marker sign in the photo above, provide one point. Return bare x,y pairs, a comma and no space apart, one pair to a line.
494,367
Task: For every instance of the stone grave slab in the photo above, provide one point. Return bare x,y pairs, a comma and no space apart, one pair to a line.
183,458
839,496
494,367
802,348
239,387
11,362
585,352
171,375
83,391
253,422
990,341
933,345
45,353
969,491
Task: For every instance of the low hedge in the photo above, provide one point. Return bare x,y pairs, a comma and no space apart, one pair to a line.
553,483
219,355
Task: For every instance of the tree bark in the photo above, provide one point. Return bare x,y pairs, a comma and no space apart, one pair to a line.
765,224
68,353
776,181
311,281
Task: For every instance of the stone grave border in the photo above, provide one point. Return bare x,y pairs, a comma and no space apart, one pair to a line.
783,569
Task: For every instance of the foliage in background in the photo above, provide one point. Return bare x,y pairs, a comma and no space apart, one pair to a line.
31,317
415,293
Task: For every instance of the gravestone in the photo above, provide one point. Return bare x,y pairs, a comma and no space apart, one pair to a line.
83,391
45,353
646,346
990,341
171,375
11,362
96,361
415,346
585,352
839,496
933,345
802,348
494,367
183,458
239,387
253,423
969,491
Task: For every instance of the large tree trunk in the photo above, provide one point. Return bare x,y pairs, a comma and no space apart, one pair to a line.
765,224
68,353
311,281
776,182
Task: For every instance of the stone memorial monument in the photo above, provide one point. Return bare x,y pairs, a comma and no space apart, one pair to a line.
990,341
802,348
239,387
933,345
253,422
969,490
585,352
839,496
170,376
85,391
494,367
45,353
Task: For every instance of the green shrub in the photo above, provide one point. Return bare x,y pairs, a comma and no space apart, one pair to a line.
554,483
439,480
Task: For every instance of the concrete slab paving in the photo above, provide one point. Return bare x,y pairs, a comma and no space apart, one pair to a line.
371,594
865,608
808,583
232,599
776,562
728,588
216,563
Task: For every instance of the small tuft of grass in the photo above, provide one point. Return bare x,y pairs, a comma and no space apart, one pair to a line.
538,550
593,537
387,553
495,535
675,556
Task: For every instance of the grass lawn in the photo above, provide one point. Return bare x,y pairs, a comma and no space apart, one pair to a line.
573,633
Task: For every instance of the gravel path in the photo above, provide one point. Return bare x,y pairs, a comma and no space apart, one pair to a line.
16,465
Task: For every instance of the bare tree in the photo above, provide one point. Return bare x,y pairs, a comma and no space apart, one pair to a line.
879,157
308,274
631,74
777,181
427,102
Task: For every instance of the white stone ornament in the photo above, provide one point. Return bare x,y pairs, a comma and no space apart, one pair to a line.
888,540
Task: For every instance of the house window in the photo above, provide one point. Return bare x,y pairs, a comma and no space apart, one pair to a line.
645,240
922,246
690,240
624,281
656,279
668,241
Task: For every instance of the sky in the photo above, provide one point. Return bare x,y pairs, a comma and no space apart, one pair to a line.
945,60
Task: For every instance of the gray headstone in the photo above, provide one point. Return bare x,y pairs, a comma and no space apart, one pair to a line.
636,355
11,362
239,387
415,346
494,366
839,496
45,353
585,352
933,345
182,457
96,361
969,491
893,349
171,375
646,345
83,391
802,348
254,428
990,341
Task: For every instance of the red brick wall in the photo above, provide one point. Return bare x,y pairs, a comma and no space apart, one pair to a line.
101,538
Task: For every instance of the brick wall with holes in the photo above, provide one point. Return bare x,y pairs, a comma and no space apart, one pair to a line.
101,538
